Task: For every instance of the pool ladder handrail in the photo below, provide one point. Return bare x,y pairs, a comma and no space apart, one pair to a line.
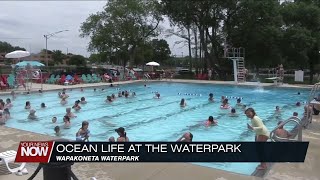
313,91
276,138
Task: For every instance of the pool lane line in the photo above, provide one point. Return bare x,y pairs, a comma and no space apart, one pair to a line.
100,107
144,108
130,126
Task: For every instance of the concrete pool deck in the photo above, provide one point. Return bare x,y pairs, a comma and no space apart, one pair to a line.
10,139
51,87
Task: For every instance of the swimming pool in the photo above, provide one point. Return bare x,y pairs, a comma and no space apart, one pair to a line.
148,119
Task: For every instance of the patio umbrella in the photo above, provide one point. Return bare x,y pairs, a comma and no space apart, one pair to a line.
31,63
17,54
152,63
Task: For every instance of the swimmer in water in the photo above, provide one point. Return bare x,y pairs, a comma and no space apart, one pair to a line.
67,123
83,133
225,104
126,94
76,105
63,100
211,121
183,103
69,113
295,114
298,93
233,113
43,105
111,139
83,100
157,96
94,89
186,137
81,89
223,98
122,135
8,103
109,99
54,120
211,99
32,114
57,131
239,104
28,105
119,94
133,94
113,96
278,109
298,104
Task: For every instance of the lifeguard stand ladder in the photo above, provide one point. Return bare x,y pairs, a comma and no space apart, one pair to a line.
237,56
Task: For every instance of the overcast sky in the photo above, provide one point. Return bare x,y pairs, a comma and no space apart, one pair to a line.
23,23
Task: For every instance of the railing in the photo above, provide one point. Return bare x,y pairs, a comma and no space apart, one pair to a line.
314,90
296,131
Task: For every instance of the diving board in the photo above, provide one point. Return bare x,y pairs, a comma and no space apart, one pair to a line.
275,80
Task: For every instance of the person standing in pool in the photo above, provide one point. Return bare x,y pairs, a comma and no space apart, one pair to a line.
83,133
262,133
211,99
28,105
122,135
69,113
183,103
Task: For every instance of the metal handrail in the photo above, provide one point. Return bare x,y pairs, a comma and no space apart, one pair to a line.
313,91
291,119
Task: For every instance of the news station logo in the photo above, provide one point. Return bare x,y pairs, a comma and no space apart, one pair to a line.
34,151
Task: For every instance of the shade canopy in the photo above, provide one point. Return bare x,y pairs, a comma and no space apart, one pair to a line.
31,63
153,64
17,54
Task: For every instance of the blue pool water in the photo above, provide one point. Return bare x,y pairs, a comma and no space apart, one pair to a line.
148,119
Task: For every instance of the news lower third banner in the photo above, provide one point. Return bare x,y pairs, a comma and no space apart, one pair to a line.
50,151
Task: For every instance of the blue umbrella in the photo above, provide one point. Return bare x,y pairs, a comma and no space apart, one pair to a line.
31,63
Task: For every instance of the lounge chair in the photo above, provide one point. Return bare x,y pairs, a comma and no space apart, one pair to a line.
9,157
89,78
84,78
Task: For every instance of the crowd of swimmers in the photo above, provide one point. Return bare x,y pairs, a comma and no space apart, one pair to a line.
83,134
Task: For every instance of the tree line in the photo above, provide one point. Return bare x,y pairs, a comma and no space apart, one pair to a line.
270,31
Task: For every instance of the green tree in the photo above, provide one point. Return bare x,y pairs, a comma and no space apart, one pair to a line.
255,26
77,60
301,43
6,47
161,51
121,27
57,56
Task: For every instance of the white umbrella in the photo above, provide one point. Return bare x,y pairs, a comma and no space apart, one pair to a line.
17,54
153,64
